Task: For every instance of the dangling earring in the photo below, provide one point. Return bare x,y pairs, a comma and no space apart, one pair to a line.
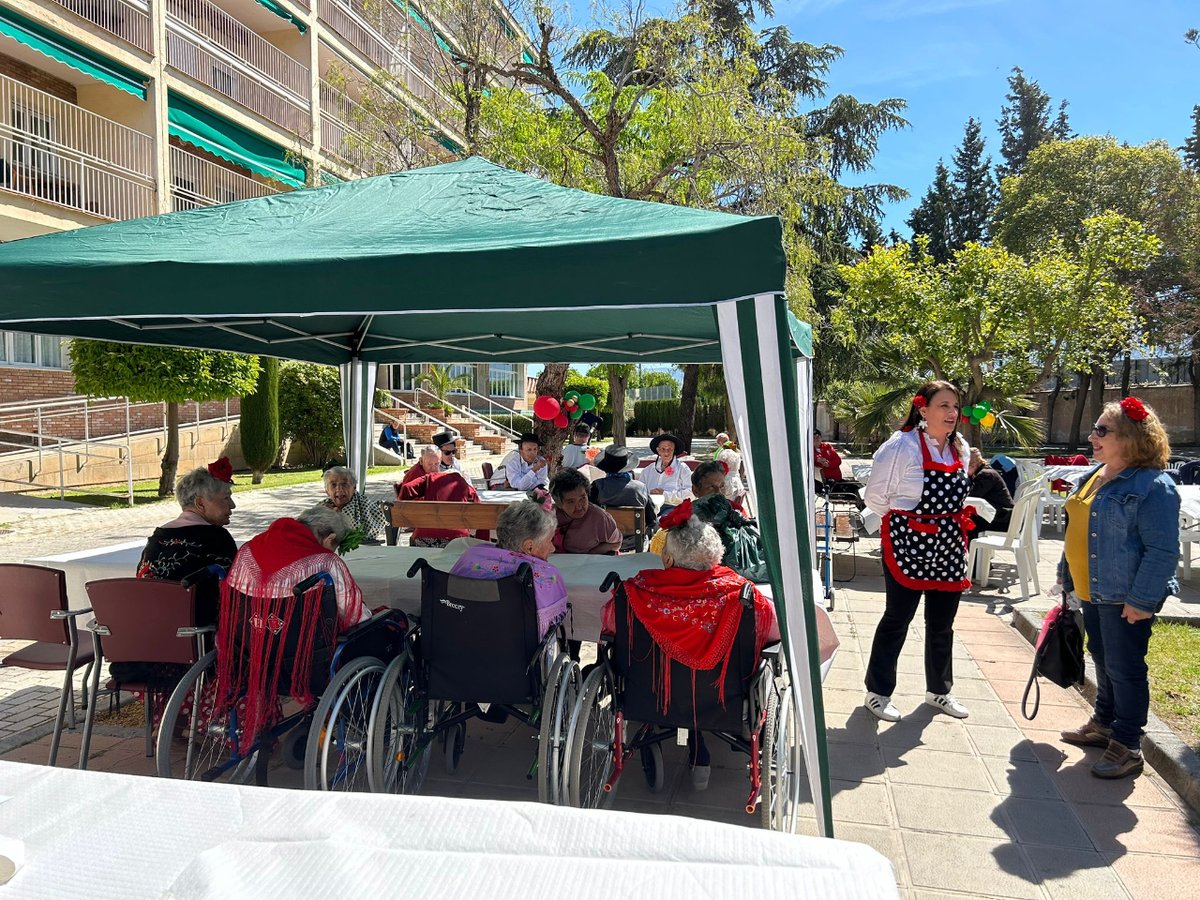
921,423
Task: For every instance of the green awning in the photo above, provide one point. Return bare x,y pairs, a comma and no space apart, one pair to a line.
207,131
525,57
283,14
420,20
449,144
330,178
67,52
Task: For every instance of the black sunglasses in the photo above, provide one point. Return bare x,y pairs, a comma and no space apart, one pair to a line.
1101,430
450,452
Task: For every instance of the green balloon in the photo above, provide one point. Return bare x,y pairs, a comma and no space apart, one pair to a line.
577,415
985,406
586,402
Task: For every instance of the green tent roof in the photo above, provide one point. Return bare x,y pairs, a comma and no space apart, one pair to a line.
466,261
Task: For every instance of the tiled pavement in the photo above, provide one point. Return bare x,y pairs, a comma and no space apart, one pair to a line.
994,806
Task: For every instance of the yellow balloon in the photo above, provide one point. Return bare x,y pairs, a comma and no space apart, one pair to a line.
988,421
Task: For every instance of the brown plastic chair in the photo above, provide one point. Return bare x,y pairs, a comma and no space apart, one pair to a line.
140,621
33,607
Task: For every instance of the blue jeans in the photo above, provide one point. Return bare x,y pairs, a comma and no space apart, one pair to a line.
1118,649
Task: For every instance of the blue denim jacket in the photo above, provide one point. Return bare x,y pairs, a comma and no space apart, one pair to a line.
1133,540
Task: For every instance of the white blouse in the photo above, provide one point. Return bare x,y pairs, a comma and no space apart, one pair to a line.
676,487
897,477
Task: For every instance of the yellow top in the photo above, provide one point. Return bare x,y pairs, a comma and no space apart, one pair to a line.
1075,546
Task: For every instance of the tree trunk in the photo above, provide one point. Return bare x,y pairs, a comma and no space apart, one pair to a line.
1085,380
1097,401
617,386
1051,403
170,460
552,382
1194,378
1126,373
687,407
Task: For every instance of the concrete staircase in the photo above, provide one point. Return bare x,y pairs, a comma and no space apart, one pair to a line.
474,438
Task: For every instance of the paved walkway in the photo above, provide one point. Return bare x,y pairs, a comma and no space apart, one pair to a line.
993,806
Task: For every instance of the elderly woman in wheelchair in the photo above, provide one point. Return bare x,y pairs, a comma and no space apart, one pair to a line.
292,624
683,648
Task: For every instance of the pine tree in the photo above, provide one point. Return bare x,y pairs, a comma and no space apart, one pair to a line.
1062,125
1025,122
1191,146
975,190
932,217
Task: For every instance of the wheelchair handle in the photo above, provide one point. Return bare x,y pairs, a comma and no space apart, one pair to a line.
417,567
312,581
610,581
747,595
210,571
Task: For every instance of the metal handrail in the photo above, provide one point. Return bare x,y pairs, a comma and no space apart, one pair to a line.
470,413
124,455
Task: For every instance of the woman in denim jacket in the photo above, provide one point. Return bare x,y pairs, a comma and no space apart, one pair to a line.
1119,557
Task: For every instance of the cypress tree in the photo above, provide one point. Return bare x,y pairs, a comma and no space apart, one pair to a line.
260,420
1191,146
975,189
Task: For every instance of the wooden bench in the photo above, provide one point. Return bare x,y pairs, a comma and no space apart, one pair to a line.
483,517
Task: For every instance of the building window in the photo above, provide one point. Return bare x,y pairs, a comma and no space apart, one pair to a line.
463,371
34,137
502,380
32,351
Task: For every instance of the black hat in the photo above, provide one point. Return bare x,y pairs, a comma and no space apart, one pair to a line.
655,441
583,429
442,438
615,460
526,438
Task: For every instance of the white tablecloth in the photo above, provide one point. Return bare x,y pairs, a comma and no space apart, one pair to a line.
113,561
1066,473
1189,500
153,838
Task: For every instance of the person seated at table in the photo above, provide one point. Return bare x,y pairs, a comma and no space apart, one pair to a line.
391,439
619,488
1007,467
528,469
447,444
721,439
1061,485
341,494
272,563
988,484
691,609
426,464
667,475
190,542
829,464
447,487
582,528
574,455
524,534
730,459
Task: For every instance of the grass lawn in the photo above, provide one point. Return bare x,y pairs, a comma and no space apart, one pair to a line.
113,495
1174,661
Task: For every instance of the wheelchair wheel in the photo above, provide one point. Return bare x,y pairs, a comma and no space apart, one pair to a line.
397,743
590,742
336,756
652,767
455,742
558,699
214,749
780,764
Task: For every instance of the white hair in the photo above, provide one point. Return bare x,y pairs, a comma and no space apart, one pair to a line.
200,483
335,471
324,521
521,522
694,545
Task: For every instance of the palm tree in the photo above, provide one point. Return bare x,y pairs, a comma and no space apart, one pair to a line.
440,382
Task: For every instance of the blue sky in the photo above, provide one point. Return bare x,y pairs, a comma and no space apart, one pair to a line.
1123,66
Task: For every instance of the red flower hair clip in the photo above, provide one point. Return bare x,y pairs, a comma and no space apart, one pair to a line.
678,516
1132,407
724,466
919,401
542,498
222,470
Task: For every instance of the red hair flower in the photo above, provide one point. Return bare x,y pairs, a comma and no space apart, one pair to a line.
678,516
919,401
1132,407
222,470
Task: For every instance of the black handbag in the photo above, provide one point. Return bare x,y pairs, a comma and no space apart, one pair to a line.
1057,655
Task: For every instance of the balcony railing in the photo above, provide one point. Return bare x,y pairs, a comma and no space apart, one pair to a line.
128,21
196,182
55,151
343,121
379,31
214,48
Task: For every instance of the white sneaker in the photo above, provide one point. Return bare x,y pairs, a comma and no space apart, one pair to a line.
881,707
947,704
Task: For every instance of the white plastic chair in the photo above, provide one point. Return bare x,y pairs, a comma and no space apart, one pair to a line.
1020,540
1189,533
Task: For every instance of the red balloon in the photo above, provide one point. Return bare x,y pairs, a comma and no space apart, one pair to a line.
545,407
561,420
570,405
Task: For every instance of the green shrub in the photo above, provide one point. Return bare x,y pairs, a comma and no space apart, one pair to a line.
259,427
651,415
310,409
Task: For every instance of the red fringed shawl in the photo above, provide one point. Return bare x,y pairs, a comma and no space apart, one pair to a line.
257,610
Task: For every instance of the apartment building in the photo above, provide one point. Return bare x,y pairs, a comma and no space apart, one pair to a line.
114,109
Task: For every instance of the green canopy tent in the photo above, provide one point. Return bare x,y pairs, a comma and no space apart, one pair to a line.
469,262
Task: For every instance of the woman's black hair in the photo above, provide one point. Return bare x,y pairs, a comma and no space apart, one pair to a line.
567,480
705,469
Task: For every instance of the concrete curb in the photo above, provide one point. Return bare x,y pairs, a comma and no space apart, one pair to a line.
1178,764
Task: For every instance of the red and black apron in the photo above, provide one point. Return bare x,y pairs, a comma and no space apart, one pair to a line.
926,548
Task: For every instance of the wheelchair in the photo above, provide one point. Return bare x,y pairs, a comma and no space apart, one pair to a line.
326,737
755,718
475,653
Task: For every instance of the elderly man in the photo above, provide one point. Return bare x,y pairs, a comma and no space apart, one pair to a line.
722,440
447,444
527,470
341,494
426,464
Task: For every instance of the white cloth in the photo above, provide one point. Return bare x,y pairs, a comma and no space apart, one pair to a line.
575,455
453,466
676,487
522,477
897,476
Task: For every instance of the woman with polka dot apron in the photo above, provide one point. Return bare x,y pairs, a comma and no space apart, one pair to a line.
918,484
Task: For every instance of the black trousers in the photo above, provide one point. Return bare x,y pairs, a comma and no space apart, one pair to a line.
901,606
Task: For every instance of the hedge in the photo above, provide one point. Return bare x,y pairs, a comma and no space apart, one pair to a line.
651,415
